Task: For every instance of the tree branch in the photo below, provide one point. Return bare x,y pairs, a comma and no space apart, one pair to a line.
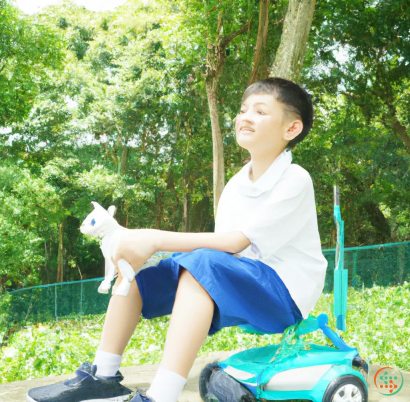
225,41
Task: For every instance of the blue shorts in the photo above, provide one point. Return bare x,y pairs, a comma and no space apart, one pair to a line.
246,292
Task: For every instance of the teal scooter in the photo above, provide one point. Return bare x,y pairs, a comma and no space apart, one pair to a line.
295,369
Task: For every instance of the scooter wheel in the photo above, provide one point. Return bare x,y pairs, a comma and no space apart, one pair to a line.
217,386
347,388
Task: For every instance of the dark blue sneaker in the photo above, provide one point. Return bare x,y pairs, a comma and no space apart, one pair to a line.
141,398
85,387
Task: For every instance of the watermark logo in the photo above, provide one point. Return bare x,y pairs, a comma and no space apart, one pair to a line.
388,381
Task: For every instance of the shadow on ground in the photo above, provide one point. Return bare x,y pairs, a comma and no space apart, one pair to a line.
141,376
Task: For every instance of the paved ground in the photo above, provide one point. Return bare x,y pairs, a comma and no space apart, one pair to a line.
141,376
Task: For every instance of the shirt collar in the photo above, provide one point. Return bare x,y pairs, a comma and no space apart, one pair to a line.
267,180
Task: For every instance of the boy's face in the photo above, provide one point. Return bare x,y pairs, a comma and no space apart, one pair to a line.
260,127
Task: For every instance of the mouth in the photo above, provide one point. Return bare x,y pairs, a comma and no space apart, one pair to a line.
246,130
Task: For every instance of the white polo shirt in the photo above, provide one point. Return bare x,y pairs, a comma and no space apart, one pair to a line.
277,214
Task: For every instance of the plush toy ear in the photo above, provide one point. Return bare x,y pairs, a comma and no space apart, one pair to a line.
96,205
111,210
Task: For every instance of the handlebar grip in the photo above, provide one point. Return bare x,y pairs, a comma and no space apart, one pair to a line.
336,197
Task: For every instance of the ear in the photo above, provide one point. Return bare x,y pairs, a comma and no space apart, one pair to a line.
294,130
111,210
96,205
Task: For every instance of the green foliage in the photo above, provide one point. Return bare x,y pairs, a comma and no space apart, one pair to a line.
104,24
111,107
78,45
125,121
86,35
362,115
29,208
32,206
377,325
62,23
29,53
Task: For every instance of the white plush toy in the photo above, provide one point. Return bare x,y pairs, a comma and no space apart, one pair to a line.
101,223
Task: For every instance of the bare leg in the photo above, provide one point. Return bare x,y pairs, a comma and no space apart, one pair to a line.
189,325
118,328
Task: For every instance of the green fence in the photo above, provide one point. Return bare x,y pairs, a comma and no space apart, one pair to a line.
383,265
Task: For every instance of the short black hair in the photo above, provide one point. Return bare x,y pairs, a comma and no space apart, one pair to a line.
297,103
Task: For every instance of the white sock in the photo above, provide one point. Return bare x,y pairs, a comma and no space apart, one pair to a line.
167,386
107,363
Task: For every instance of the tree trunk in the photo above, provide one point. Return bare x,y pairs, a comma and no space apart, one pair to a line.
185,216
159,208
123,162
174,207
187,199
379,222
217,143
45,274
49,253
397,127
260,69
216,58
291,52
333,239
60,254
188,186
377,219
109,154
200,217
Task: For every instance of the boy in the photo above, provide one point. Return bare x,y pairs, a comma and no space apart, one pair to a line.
263,267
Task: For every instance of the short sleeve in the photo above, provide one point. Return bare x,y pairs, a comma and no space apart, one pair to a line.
279,219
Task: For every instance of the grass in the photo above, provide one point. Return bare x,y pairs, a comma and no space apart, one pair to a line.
378,324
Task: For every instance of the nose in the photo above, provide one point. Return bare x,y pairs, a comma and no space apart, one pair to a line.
246,116
241,118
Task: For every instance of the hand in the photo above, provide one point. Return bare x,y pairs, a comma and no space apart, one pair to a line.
135,246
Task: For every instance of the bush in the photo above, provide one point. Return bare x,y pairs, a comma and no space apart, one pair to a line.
377,325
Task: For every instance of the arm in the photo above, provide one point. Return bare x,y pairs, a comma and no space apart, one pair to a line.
232,242
136,246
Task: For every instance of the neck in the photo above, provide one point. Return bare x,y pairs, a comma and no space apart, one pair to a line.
108,226
261,163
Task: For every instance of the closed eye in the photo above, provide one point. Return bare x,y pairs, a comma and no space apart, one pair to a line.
242,111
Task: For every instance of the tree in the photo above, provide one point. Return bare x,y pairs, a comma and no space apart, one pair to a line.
288,63
29,55
362,144
291,52
126,121
215,61
375,76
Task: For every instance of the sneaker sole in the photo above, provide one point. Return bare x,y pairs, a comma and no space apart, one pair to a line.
123,398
